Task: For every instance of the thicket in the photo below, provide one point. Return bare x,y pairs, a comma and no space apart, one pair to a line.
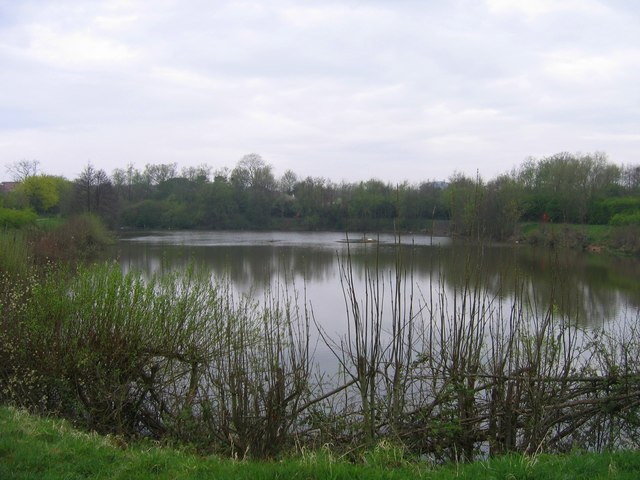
433,371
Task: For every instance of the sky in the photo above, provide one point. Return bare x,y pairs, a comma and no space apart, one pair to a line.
397,90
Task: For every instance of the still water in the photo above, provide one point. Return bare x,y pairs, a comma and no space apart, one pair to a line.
595,290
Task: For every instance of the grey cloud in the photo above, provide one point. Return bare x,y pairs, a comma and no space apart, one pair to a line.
391,89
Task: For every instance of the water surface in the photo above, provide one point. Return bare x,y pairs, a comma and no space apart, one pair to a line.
593,289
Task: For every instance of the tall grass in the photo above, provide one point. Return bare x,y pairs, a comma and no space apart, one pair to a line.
16,280
14,254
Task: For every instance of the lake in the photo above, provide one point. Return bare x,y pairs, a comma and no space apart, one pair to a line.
594,289
505,338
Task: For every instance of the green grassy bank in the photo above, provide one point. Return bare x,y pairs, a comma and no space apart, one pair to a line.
35,448
597,238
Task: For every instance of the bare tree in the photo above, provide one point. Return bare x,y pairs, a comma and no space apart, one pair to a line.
631,178
253,172
23,169
156,174
287,182
94,192
198,173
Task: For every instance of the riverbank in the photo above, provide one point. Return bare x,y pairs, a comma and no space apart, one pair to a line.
71,347
592,238
33,447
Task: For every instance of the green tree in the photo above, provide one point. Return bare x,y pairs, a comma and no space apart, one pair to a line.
42,192
502,207
144,214
255,188
465,199
567,186
218,206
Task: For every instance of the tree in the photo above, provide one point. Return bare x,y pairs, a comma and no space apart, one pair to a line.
631,179
465,197
200,174
255,188
23,169
42,192
418,206
566,186
85,185
94,193
502,207
253,172
218,205
288,182
179,188
155,174
373,200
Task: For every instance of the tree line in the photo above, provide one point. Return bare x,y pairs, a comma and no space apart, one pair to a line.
565,187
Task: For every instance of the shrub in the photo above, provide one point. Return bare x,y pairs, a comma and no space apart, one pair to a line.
80,238
12,218
603,211
171,355
630,218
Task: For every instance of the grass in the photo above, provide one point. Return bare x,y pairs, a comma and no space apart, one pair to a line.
569,235
50,223
594,233
14,253
36,448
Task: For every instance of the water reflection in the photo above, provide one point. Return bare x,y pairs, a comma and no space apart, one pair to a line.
593,289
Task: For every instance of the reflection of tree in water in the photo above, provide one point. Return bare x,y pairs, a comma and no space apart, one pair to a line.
246,266
591,289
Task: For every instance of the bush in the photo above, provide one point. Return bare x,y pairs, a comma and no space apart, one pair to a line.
12,218
80,238
621,219
164,356
603,211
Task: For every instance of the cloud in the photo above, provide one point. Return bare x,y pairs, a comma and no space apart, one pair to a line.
75,49
390,89
533,9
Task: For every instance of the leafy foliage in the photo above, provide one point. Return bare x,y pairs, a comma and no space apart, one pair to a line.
13,218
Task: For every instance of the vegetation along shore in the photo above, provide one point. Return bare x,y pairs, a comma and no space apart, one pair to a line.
428,376
580,189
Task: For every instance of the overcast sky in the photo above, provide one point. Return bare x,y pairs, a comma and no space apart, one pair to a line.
348,90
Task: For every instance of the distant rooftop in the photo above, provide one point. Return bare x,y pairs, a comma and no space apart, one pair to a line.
6,187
